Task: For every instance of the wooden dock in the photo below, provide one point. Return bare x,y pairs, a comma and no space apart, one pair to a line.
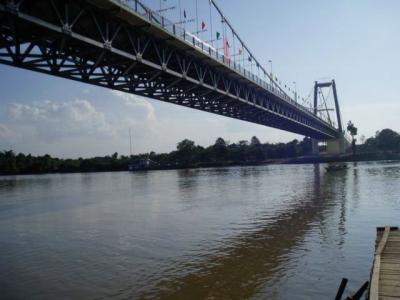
385,276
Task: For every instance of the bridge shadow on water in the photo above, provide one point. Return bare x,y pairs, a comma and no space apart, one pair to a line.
252,260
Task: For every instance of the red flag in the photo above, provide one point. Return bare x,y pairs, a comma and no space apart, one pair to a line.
227,51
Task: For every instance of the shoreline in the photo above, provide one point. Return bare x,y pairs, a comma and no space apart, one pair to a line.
323,158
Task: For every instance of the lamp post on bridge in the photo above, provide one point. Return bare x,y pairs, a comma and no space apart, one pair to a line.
295,91
271,75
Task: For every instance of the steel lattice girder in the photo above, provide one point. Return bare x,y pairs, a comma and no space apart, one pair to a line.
79,41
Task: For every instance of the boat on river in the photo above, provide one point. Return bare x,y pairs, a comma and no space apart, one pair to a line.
336,167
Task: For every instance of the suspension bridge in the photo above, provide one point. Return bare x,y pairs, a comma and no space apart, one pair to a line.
128,46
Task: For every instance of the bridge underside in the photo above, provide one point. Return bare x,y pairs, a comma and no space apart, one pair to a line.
108,46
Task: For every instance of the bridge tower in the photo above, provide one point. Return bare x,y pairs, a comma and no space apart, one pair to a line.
334,146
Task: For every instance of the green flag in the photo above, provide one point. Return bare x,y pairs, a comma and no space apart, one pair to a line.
218,35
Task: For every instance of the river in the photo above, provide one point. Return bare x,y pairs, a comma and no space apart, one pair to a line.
258,232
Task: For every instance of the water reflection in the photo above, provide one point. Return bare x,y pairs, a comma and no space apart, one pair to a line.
250,260
267,232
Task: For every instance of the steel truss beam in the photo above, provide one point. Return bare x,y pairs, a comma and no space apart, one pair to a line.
81,41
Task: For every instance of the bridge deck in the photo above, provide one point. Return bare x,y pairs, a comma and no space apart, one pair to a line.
385,278
125,46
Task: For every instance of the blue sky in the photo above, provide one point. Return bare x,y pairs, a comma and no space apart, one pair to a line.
355,42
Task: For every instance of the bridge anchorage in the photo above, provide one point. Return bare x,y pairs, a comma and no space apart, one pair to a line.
124,45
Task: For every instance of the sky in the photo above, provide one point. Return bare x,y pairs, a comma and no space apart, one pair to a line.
355,42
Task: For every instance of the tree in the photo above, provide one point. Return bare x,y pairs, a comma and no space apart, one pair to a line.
243,143
255,141
388,140
186,151
305,146
185,145
8,162
218,152
220,142
353,132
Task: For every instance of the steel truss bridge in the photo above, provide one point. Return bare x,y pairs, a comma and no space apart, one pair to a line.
128,47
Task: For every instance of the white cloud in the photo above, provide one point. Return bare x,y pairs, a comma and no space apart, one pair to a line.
137,102
87,128
5,132
53,120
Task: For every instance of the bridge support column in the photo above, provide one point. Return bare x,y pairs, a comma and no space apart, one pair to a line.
315,147
337,146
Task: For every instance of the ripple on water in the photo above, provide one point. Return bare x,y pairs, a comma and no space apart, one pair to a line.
264,232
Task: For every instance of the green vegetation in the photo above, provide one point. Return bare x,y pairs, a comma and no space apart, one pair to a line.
353,132
187,154
386,141
384,145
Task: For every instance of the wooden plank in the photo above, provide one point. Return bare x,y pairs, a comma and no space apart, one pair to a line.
392,259
386,266
387,282
383,241
374,290
388,290
386,276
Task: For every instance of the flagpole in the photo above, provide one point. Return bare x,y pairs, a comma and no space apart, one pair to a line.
184,22
180,11
211,27
130,141
234,49
197,18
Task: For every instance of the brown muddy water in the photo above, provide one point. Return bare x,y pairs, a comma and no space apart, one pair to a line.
265,232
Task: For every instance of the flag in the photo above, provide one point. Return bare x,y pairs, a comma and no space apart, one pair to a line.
240,51
184,14
227,51
203,25
250,59
218,35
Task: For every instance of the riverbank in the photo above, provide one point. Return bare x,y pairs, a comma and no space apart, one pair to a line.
310,159
325,158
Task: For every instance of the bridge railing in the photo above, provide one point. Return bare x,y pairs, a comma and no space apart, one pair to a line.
181,33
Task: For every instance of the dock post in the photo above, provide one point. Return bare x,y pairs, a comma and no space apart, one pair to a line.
341,289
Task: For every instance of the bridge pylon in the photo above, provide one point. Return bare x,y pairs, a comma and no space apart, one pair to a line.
334,146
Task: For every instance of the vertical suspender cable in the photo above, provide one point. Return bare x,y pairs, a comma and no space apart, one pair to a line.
211,26
234,48
180,12
197,20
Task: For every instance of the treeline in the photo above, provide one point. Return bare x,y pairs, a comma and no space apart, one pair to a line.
385,144
386,140
187,154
